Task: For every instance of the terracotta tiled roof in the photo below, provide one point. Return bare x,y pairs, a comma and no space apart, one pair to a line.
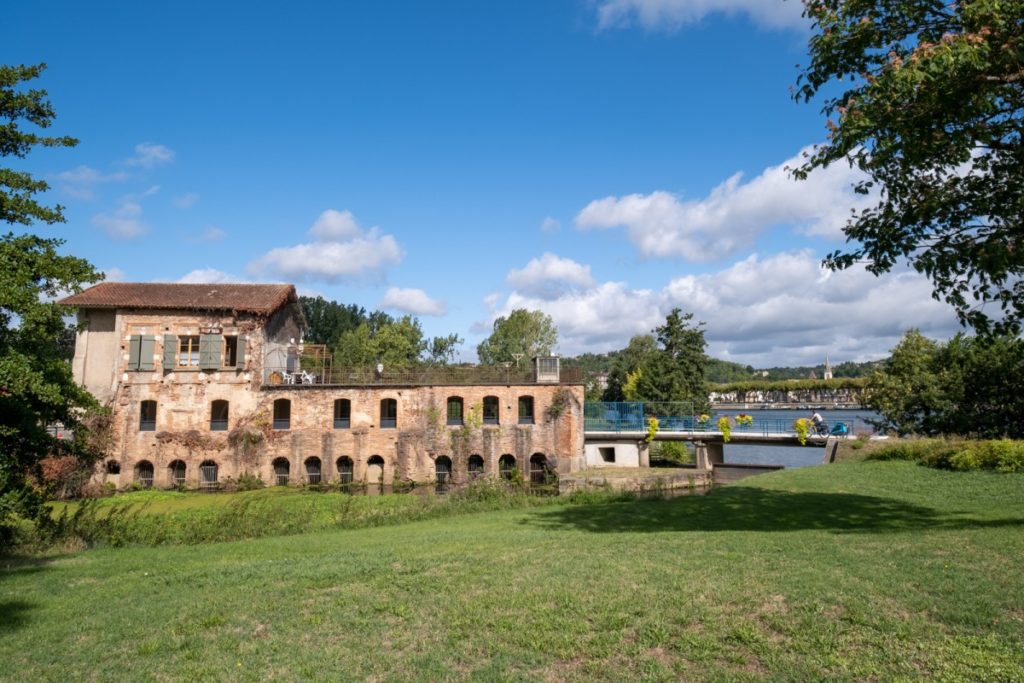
258,299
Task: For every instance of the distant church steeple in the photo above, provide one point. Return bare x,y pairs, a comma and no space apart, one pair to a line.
828,368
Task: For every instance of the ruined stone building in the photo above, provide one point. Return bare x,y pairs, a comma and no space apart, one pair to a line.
210,382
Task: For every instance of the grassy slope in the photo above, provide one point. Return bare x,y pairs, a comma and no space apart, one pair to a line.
854,571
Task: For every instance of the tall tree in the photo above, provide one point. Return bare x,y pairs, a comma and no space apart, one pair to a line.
523,333
930,106
676,371
627,363
36,385
327,320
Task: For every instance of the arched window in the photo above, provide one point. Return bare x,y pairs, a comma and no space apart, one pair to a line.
147,416
176,472
219,416
455,410
282,469
443,471
342,413
388,413
113,467
282,414
312,470
144,473
507,466
476,466
208,471
491,410
538,468
526,410
375,470
345,470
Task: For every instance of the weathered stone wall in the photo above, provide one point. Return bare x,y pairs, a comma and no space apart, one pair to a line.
409,451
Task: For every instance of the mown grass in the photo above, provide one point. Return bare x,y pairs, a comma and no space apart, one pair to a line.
860,571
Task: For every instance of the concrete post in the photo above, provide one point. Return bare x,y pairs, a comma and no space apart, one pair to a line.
644,450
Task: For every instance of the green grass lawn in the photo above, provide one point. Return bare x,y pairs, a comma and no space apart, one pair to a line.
859,571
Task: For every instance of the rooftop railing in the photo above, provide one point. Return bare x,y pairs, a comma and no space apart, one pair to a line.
424,376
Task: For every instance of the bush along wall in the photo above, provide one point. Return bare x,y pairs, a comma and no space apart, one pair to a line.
1001,455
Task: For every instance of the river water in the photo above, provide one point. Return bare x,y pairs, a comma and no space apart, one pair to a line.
792,456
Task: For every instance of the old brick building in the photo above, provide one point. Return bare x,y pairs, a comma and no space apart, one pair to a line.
210,382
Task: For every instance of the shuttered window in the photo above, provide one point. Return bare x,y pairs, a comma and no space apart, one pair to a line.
209,351
140,352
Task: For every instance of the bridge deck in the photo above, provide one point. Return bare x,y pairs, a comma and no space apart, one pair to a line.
737,437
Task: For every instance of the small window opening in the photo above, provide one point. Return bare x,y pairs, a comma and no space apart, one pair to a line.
491,410
208,472
282,414
443,472
144,474
188,351
342,413
312,470
388,413
526,410
476,466
177,470
113,467
345,470
454,410
147,416
607,453
507,466
219,416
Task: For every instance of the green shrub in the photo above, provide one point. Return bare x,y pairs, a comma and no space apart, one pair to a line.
965,461
1012,461
249,482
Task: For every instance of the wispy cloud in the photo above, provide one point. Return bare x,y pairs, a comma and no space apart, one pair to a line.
210,276
124,223
671,15
212,234
186,201
341,250
731,216
414,301
81,182
150,155
549,224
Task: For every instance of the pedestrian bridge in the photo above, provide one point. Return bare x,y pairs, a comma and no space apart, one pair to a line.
619,433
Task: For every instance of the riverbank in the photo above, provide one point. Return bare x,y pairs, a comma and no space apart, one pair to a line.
850,572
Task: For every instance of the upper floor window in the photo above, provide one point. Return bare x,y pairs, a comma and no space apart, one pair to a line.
388,413
140,352
526,410
454,410
490,410
188,351
342,413
205,351
219,416
282,414
147,416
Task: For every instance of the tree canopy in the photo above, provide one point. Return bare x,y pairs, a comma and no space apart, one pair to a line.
970,386
36,386
930,106
524,333
676,371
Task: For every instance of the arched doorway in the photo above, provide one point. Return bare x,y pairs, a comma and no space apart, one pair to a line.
443,472
375,470
208,473
507,466
176,472
345,470
312,470
144,474
281,471
475,466
539,470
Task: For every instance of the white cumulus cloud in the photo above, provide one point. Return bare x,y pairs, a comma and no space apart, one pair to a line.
340,250
671,15
414,301
186,201
780,310
149,155
549,276
731,216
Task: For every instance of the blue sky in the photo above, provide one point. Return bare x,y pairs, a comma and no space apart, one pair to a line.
601,160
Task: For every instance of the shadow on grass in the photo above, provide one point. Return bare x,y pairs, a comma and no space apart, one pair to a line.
13,615
752,509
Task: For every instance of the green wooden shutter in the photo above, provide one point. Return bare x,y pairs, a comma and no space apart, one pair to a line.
134,350
146,352
240,352
209,351
170,352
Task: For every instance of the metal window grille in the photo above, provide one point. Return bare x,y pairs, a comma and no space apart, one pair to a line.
281,472
345,471
313,471
506,466
178,473
476,466
144,474
443,472
208,475
538,469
